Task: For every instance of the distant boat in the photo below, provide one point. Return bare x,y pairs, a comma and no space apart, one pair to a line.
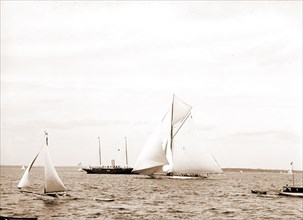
17,218
174,148
53,186
259,192
292,190
23,167
80,167
113,169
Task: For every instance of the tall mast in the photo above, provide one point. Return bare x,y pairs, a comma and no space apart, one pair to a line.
171,123
171,127
126,158
293,174
99,151
46,137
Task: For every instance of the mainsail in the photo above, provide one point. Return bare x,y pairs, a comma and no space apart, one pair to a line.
52,181
189,156
183,149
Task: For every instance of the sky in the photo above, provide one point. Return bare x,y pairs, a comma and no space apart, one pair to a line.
83,70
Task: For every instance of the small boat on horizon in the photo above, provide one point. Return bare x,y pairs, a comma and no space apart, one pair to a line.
113,169
53,186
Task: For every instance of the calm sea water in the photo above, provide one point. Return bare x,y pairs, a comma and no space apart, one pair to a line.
226,196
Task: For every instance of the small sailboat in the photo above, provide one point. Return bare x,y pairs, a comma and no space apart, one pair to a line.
53,186
80,167
293,190
175,148
23,167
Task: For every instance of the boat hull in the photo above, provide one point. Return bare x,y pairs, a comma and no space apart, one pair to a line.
296,191
97,170
259,192
17,218
291,194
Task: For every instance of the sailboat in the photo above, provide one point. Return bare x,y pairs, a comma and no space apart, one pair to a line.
80,167
53,186
113,169
292,190
175,148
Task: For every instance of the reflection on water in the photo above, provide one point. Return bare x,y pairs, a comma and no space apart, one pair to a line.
226,196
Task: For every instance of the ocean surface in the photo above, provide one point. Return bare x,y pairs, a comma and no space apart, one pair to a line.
97,196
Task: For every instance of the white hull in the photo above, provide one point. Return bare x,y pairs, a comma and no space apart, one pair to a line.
291,194
164,176
187,177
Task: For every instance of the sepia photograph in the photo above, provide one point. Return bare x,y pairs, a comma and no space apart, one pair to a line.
151,109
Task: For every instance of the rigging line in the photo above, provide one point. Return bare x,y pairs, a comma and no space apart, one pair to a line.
215,160
164,116
188,114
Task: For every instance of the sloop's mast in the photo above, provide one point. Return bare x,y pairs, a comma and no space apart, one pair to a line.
293,173
46,137
99,151
126,158
171,127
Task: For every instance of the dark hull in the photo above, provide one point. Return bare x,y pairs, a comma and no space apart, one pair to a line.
292,191
18,218
99,170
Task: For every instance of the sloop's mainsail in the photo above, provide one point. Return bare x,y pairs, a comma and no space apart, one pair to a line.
52,181
176,144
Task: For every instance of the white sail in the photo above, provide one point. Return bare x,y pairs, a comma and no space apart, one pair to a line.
189,155
53,182
180,110
25,182
152,156
182,152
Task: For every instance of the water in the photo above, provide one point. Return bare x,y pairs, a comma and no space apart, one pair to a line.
226,196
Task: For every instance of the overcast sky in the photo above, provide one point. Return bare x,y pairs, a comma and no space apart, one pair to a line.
86,69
